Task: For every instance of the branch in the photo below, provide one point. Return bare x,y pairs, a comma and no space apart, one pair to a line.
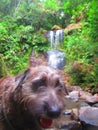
73,26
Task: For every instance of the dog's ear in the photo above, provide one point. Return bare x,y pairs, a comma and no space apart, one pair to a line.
20,78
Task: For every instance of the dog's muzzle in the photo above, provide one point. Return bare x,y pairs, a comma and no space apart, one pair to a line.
52,113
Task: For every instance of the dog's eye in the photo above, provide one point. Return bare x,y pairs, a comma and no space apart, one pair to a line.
38,84
59,86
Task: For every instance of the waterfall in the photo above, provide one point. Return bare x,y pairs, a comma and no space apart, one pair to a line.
56,58
55,38
51,38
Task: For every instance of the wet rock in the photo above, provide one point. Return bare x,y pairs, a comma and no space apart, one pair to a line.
71,125
74,95
67,112
89,127
89,115
92,99
74,88
88,97
95,105
56,27
75,114
84,104
84,95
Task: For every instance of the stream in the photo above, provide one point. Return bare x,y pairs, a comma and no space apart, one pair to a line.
78,115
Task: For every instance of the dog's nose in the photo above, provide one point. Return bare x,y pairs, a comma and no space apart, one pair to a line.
54,112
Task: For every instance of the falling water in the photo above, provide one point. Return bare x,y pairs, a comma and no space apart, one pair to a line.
55,38
51,38
56,58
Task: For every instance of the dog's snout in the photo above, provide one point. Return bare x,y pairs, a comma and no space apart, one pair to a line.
53,112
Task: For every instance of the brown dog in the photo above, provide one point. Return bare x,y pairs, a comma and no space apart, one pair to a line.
30,101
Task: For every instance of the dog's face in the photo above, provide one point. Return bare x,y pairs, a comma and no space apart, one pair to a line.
42,94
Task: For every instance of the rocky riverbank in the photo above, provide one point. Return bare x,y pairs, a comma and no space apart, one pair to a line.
81,111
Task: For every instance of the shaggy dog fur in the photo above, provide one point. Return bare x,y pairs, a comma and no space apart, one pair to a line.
31,100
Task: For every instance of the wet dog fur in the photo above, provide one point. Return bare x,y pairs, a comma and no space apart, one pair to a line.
27,98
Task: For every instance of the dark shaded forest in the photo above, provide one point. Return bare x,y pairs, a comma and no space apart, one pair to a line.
23,24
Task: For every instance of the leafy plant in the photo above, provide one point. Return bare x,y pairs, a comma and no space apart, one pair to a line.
93,20
16,43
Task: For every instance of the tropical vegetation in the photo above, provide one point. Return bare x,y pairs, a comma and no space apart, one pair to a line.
23,24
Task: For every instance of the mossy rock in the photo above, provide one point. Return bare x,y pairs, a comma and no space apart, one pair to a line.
56,27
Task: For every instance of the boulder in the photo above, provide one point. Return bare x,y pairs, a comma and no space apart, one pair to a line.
89,115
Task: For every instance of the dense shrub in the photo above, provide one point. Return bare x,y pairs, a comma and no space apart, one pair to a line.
93,20
16,43
82,58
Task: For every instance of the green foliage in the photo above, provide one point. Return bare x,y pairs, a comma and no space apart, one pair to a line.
81,58
77,47
23,24
81,47
93,20
38,14
82,74
52,4
16,43
75,10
